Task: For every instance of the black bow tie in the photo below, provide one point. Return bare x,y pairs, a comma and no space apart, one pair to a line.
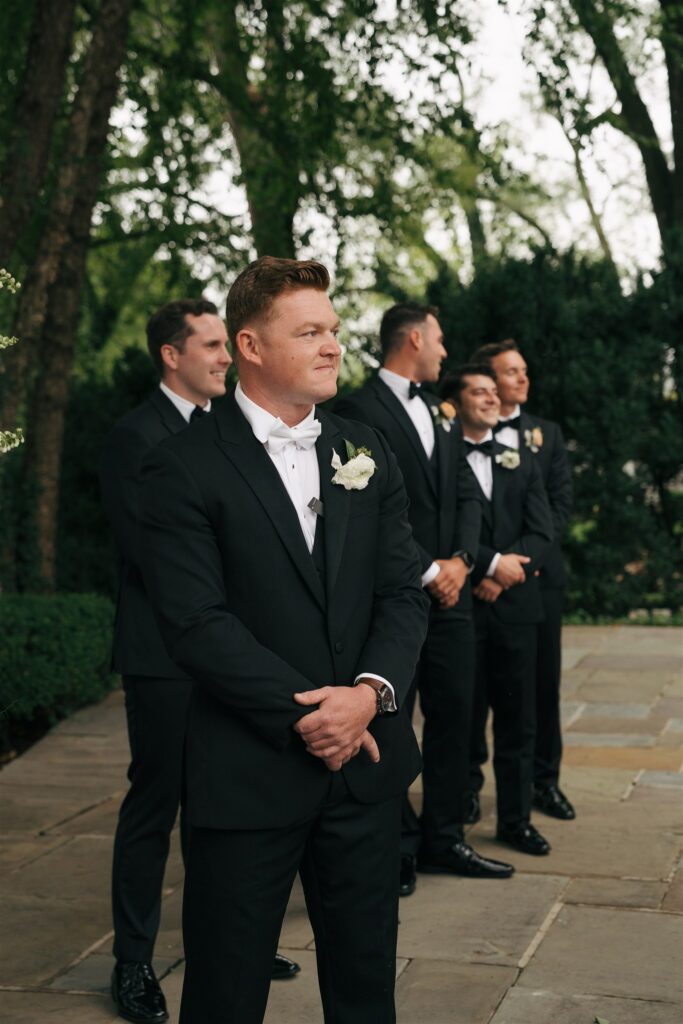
502,424
486,447
413,389
197,412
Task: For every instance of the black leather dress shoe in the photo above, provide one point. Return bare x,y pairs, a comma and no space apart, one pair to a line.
137,994
408,880
473,814
284,968
551,800
523,837
461,859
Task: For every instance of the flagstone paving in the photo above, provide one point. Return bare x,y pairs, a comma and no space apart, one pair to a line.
595,930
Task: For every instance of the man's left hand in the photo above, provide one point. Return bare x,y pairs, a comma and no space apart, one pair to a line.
339,723
447,585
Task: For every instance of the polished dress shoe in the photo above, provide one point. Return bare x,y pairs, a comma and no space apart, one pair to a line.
137,993
551,800
408,879
461,859
473,813
283,968
523,837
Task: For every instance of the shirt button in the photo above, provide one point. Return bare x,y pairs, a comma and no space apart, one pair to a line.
339,647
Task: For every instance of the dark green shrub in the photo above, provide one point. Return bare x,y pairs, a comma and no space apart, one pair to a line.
54,656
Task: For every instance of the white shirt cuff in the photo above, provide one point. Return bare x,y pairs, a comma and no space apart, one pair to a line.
430,574
494,564
373,675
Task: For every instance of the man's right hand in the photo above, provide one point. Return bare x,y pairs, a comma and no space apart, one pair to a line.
510,570
337,729
366,742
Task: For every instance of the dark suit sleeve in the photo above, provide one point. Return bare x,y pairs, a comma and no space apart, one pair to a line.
537,528
559,486
401,608
120,468
183,574
468,510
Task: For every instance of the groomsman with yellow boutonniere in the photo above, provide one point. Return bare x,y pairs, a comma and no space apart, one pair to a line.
516,533
445,514
543,441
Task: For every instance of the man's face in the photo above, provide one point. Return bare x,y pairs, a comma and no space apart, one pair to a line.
198,372
479,405
511,377
294,353
432,353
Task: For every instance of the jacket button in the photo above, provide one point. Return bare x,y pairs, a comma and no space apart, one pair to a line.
339,647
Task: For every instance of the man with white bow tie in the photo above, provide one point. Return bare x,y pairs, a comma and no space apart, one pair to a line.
282,569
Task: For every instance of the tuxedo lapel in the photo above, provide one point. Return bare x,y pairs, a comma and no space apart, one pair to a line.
169,415
254,465
395,409
501,481
335,498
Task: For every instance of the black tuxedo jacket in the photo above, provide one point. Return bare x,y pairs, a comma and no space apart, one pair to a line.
445,506
553,463
517,519
138,649
244,611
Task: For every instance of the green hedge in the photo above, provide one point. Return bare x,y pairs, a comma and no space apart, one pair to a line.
54,656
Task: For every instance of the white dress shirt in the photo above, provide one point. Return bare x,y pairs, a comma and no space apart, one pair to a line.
296,466
184,407
422,420
509,436
481,466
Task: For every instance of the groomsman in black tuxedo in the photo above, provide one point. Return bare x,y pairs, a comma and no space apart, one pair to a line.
542,439
516,534
187,342
445,513
279,561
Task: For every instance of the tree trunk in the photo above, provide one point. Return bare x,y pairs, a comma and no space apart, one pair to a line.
35,111
62,272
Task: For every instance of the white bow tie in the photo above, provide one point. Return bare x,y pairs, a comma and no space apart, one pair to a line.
303,436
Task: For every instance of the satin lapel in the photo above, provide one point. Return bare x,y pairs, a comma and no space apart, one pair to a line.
169,415
443,443
254,465
335,498
501,482
394,407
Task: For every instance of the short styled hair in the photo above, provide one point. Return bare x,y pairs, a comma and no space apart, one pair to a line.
254,291
169,326
398,319
453,384
486,353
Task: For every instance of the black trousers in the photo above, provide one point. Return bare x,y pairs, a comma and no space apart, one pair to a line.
505,682
236,892
156,710
548,677
445,683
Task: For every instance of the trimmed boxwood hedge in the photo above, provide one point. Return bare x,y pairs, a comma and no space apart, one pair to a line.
54,657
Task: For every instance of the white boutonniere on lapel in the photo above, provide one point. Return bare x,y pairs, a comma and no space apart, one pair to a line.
444,415
509,459
354,474
533,439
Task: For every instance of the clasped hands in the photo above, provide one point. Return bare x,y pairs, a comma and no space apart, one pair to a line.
338,729
509,572
447,585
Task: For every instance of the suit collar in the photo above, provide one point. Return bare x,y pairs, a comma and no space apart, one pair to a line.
391,403
170,416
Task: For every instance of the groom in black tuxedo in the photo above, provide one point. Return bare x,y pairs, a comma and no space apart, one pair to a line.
445,513
515,536
281,567
188,344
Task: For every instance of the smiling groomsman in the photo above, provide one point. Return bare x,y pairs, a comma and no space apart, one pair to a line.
515,535
445,513
188,344
542,439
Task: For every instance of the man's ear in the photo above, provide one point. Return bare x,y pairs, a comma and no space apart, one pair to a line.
247,344
415,339
169,356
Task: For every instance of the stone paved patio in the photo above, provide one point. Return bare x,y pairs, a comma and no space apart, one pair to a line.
595,930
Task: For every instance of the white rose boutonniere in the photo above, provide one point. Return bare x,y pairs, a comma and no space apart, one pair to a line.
443,415
354,474
509,459
534,439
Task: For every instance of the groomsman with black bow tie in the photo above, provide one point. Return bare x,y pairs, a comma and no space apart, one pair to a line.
279,560
516,534
542,440
445,513
188,345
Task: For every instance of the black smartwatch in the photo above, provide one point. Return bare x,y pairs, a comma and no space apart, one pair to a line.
466,557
